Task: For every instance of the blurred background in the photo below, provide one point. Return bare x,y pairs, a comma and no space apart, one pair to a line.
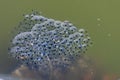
101,18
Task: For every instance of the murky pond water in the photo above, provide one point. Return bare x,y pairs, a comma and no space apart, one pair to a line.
99,17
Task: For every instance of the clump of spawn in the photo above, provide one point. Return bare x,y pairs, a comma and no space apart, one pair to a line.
44,44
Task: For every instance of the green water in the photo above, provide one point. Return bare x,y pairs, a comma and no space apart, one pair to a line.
100,17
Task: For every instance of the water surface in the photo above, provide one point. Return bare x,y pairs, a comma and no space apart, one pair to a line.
100,17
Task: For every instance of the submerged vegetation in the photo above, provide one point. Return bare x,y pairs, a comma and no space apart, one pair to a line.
45,45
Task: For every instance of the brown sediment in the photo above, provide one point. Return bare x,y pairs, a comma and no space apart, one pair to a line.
111,77
89,75
81,70
23,72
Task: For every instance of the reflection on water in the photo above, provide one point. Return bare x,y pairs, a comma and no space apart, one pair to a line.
9,77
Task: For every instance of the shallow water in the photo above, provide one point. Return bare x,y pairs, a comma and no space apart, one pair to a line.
100,18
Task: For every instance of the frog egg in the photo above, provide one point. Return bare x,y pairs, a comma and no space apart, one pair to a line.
36,34
14,49
37,17
88,38
70,24
72,29
81,35
57,24
36,28
85,40
65,35
50,22
50,26
76,35
70,41
54,32
89,41
17,41
47,24
23,56
84,46
80,46
62,32
68,44
66,21
43,24
22,49
47,41
81,30
29,54
32,15
59,29
77,41
43,29
63,41
21,37
37,25
27,16
71,37
63,24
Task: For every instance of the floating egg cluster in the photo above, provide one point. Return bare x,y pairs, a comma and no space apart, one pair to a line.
45,43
